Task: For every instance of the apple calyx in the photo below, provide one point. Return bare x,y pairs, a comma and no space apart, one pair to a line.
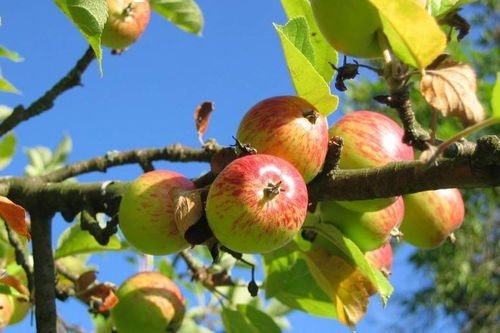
272,190
311,115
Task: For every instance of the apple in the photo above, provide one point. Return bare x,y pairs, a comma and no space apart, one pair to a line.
127,20
148,302
350,26
381,258
288,127
370,140
146,212
6,310
257,204
431,216
369,230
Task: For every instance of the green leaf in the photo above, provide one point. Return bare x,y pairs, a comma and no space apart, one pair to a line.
249,320
89,16
495,98
186,14
413,34
297,32
308,83
6,53
440,8
75,241
288,280
259,319
7,149
352,254
63,150
8,290
324,53
189,325
5,111
7,86
42,160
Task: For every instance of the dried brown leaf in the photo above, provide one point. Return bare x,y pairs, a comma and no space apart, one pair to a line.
188,208
201,117
15,216
85,280
450,88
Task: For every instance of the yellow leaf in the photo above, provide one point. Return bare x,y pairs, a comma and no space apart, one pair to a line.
346,286
414,35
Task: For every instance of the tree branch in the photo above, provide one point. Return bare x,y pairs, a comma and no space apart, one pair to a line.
172,153
45,293
21,258
44,103
478,167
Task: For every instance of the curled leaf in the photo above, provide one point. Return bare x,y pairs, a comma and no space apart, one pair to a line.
188,208
16,283
201,117
346,286
15,216
450,88
99,296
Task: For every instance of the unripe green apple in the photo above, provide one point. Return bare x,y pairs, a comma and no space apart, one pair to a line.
370,140
146,212
369,230
257,204
288,127
148,302
431,216
127,20
350,26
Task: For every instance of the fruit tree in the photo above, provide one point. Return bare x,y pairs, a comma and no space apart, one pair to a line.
294,202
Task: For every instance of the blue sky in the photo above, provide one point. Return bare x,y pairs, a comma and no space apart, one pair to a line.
146,99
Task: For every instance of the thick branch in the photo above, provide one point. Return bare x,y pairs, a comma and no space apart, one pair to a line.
401,178
172,153
45,295
44,103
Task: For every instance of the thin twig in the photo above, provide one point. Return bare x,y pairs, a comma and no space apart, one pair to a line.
21,257
173,153
46,102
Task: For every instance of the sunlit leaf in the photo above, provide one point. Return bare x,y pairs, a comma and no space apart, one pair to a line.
15,216
7,86
308,83
450,88
5,111
347,288
324,54
6,53
289,280
440,8
7,149
413,34
75,241
495,98
248,319
186,14
89,16
350,253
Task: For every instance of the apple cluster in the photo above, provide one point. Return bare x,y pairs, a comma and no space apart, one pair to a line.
258,200
423,219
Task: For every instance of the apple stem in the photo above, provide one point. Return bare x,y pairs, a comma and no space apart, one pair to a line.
272,190
311,115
